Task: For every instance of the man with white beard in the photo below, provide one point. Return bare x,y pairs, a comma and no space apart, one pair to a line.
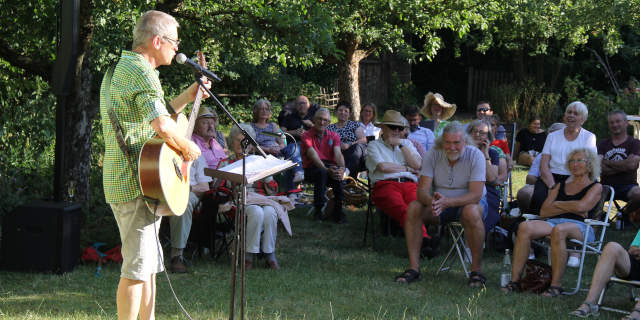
455,169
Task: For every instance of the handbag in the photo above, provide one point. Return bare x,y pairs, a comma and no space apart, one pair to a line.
537,277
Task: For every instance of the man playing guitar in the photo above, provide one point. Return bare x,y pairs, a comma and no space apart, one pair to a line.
133,110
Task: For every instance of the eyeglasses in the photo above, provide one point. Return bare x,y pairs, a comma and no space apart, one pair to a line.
176,43
578,161
483,109
479,132
395,128
323,120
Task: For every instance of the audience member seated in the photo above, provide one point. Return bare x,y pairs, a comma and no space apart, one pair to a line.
423,136
555,151
524,194
620,155
353,141
455,171
568,204
324,165
614,260
393,163
212,144
208,138
261,211
438,111
529,142
271,139
480,132
500,137
368,116
296,121
181,225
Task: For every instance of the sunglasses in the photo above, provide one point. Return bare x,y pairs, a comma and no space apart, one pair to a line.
483,109
395,128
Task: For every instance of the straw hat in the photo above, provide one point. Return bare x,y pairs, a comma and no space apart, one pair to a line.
394,118
448,109
205,112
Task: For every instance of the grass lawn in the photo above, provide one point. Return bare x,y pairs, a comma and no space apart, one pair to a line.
326,273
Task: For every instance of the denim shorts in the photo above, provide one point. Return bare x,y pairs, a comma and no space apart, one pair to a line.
453,213
583,226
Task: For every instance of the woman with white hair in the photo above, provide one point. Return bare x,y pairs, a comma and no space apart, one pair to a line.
556,150
262,220
568,204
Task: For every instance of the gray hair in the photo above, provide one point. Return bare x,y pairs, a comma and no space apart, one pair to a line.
483,122
453,128
257,105
593,161
618,111
580,108
152,23
321,110
235,131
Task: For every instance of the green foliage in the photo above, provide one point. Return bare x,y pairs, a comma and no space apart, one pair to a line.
520,101
403,94
600,103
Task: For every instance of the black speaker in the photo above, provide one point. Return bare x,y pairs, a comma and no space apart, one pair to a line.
42,236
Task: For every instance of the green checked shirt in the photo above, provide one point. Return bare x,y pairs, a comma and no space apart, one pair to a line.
137,98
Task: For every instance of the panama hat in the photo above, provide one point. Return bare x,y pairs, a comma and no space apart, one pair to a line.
448,109
205,112
394,118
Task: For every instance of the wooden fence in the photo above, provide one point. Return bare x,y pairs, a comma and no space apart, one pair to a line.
479,82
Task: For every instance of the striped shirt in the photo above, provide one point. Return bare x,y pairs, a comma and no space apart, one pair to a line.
137,99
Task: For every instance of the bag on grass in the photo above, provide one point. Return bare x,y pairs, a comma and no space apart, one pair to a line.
537,277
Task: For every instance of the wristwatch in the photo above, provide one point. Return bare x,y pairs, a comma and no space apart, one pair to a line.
400,145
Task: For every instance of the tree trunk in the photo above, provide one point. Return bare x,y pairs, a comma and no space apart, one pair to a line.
349,72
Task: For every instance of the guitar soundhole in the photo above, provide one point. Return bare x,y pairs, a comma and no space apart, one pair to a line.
176,166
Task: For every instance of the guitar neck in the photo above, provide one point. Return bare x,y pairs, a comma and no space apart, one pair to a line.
196,103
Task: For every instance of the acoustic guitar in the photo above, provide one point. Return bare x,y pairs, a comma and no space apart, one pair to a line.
163,172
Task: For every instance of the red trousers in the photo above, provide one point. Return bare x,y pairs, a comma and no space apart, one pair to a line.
393,198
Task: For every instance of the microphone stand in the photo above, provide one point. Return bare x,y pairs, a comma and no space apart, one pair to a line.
239,240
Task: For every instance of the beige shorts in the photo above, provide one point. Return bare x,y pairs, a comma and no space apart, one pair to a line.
141,253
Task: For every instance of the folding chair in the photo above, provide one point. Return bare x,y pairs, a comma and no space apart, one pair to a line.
616,280
583,246
457,235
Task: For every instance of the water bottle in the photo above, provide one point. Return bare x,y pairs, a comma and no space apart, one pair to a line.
505,276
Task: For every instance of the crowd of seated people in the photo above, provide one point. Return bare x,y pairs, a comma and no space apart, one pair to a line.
422,177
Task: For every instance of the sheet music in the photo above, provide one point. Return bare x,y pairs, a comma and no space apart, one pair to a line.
257,168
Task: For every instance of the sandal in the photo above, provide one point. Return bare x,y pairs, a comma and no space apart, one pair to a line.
476,279
511,287
592,310
629,317
553,291
408,276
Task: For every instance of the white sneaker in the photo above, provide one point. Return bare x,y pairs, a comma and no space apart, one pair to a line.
573,262
532,255
298,177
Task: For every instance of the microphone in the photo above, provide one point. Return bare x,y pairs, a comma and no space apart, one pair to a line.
182,59
273,134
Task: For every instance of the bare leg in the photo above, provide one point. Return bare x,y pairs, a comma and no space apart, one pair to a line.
528,230
148,301
471,219
128,298
413,232
559,236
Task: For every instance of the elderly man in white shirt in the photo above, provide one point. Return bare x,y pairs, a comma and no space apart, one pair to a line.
393,163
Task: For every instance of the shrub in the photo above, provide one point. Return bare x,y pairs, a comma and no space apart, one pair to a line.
519,102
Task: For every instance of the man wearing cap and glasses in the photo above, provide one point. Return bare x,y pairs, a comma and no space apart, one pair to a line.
208,138
393,163
455,171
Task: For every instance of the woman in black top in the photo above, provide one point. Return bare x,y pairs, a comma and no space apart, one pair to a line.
567,205
529,142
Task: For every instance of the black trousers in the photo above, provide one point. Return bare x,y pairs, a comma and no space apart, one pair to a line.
354,158
320,179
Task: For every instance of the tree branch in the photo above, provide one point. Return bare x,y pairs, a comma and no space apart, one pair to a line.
37,66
